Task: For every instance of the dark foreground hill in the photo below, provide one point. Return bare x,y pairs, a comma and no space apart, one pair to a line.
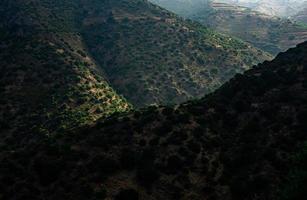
245,141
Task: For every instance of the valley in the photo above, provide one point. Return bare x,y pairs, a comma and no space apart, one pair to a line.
77,62
139,100
231,139
151,56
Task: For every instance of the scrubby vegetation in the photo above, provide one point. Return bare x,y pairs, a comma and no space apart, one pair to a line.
66,134
151,56
48,82
240,142
51,82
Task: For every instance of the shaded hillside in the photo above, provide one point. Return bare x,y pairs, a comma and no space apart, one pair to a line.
48,81
152,56
237,143
269,33
146,53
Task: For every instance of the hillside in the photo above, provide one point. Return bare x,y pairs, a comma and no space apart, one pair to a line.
184,8
65,63
268,33
151,56
244,141
48,80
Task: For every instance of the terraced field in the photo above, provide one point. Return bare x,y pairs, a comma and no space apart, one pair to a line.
268,33
301,17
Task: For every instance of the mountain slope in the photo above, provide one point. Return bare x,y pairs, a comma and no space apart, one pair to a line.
183,8
237,143
145,53
48,81
152,56
269,33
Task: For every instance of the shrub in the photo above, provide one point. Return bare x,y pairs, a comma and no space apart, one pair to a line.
164,129
128,159
174,164
302,119
104,166
47,169
127,194
194,147
147,175
81,53
295,188
146,172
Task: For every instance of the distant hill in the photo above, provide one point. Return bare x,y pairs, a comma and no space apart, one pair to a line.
244,141
183,7
269,33
301,17
277,8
